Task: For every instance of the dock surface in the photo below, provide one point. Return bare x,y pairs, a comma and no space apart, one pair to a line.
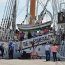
30,62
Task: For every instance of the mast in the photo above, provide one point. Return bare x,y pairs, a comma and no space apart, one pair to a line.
32,11
14,17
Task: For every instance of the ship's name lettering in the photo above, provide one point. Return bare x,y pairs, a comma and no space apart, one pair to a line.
36,40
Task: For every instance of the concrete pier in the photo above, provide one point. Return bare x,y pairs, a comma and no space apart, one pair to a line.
30,62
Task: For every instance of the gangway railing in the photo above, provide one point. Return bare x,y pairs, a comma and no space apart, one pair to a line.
38,40
61,50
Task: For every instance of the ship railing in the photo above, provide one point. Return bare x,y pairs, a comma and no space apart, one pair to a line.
61,50
39,39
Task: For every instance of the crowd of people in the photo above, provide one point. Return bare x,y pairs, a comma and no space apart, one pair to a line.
31,34
50,51
53,48
10,50
33,55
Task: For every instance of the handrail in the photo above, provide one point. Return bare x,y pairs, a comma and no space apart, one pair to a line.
38,40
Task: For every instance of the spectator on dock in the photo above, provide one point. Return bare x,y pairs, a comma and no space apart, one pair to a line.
2,49
10,50
34,54
54,49
47,51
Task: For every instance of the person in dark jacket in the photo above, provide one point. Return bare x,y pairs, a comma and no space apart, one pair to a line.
29,35
2,50
10,50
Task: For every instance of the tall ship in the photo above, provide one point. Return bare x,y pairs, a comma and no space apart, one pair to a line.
35,27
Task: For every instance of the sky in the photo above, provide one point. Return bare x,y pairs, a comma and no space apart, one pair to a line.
2,7
21,10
